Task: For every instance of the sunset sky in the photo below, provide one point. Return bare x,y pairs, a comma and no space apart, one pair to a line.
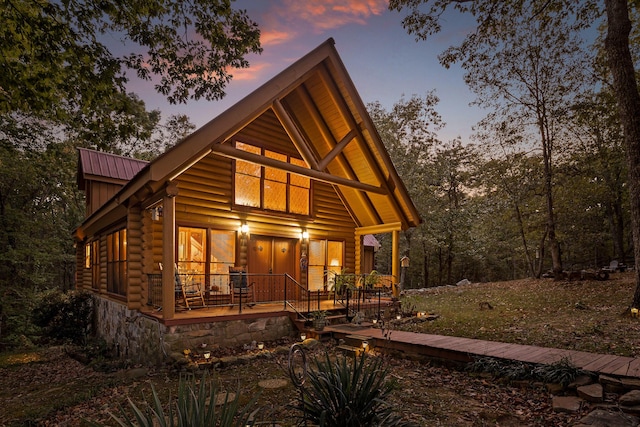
383,61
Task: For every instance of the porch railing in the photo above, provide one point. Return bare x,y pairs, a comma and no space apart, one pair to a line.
218,291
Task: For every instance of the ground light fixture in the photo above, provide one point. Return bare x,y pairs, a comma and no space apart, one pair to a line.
303,336
260,345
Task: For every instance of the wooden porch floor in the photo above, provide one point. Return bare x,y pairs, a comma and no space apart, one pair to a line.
230,312
467,349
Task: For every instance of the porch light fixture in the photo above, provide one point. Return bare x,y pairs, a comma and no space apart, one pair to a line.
303,336
244,228
365,344
304,235
156,213
374,321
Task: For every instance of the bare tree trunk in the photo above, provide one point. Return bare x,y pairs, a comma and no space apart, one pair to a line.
626,89
541,259
524,240
547,151
425,264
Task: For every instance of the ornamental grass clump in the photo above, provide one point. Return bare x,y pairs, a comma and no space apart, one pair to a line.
347,392
196,405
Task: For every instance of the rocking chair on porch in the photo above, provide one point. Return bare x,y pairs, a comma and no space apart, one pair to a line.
187,290
241,291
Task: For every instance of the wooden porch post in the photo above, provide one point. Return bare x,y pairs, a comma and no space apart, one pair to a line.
395,261
168,254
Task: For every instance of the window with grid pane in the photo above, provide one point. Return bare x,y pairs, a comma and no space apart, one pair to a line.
270,188
117,262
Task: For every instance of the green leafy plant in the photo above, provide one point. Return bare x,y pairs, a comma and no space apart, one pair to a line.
343,393
341,281
318,315
371,279
562,372
194,406
64,316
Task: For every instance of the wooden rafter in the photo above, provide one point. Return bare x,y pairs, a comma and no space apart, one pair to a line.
234,153
297,138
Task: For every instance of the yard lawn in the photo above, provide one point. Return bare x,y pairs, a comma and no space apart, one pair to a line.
585,315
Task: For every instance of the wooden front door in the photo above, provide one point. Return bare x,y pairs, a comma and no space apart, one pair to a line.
269,259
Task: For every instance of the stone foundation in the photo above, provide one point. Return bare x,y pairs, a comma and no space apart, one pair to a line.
145,340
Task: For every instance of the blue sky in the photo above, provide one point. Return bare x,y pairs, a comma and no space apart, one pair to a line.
384,62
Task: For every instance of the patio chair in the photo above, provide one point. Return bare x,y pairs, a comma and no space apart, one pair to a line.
241,291
187,290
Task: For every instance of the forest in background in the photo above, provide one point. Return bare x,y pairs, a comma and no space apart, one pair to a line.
544,180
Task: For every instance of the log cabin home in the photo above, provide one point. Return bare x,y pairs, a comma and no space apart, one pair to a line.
216,240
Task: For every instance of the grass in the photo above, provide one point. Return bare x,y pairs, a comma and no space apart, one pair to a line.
588,316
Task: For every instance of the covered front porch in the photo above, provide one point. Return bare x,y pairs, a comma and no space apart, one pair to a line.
222,296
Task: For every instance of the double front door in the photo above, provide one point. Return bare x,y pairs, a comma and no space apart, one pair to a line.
269,258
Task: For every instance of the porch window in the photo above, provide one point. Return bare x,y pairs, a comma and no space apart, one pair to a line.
326,259
191,250
271,188
117,262
223,256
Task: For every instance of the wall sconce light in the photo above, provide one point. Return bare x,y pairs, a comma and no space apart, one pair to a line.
304,235
303,336
260,345
156,213
244,228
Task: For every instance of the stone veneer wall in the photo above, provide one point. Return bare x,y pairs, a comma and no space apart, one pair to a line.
143,339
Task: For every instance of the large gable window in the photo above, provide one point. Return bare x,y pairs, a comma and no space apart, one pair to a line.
270,188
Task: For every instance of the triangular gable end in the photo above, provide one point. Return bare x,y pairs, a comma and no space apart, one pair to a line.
313,107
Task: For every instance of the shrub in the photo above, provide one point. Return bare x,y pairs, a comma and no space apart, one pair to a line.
562,372
346,394
195,406
64,316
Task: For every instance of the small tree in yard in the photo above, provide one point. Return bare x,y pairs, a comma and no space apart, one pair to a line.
349,394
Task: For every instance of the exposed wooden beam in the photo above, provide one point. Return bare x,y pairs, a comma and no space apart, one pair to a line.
337,149
340,161
234,153
297,138
345,112
378,229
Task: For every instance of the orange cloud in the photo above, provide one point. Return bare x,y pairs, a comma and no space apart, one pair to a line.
251,73
323,15
269,37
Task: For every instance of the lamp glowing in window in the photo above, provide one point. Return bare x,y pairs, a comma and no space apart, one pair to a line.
244,228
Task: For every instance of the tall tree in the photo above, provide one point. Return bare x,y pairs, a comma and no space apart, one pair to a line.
527,72
408,132
65,68
626,89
